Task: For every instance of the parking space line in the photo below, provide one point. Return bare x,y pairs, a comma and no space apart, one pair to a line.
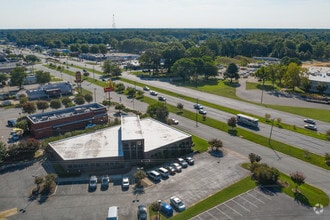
233,209
249,202
241,205
267,197
212,215
255,198
223,212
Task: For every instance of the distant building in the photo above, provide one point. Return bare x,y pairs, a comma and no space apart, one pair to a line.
50,90
30,79
117,148
319,75
48,124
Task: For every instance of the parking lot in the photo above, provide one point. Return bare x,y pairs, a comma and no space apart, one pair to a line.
259,203
74,201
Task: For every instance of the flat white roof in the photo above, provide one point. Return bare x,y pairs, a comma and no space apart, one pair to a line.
319,74
131,128
107,142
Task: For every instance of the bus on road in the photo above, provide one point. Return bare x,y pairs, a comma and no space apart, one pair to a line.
247,120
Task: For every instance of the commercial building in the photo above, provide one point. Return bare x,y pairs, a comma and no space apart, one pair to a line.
50,90
319,75
117,148
48,124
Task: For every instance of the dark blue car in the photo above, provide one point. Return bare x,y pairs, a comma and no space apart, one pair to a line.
166,209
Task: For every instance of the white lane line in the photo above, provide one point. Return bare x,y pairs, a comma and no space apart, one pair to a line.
249,202
241,205
255,198
233,210
267,197
223,212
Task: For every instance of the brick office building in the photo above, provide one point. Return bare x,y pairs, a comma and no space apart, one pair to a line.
48,124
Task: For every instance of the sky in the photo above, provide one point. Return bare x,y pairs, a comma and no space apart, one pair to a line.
40,14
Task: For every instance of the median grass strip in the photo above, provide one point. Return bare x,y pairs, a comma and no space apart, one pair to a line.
230,192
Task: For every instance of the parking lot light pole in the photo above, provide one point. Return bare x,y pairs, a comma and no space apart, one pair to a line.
159,202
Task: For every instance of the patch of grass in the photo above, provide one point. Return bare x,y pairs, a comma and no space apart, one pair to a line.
201,145
230,192
309,195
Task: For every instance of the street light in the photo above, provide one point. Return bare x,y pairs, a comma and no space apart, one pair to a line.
197,113
159,202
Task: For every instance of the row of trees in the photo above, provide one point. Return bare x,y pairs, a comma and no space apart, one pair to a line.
304,44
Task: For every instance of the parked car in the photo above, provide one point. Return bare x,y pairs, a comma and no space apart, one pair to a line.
93,183
154,175
198,106
202,111
163,172
171,170
166,209
177,167
105,182
177,203
11,122
146,88
90,125
161,98
153,93
190,160
125,183
174,121
142,212
311,127
310,121
182,162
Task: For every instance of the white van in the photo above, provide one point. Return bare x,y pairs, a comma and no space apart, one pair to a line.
163,172
113,213
154,175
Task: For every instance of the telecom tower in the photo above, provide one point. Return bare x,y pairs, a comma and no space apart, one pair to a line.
113,21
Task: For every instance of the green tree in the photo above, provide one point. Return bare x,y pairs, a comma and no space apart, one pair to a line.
151,59
184,68
180,106
38,181
55,104
266,175
43,77
79,100
119,107
3,77
231,72
131,92
293,76
119,87
158,111
326,158
216,144
232,122
31,58
254,157
305,84
139,175
88,97
321,87
18,75
298,178
173,52
3,151
29,107
49,182
66,101
94,49
103,48
42,105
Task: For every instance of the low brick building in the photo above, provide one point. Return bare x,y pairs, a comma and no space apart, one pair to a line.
57,122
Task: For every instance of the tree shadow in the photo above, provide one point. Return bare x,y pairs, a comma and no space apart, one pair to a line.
232,84
43,198
232,132
301,199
